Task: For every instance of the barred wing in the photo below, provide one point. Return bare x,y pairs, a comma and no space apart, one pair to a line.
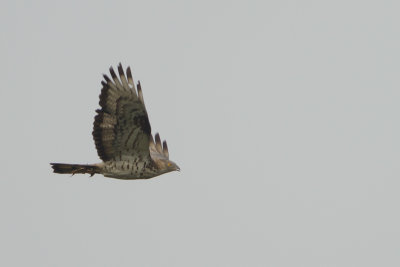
121,127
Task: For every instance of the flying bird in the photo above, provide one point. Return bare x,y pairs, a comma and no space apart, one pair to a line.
122,134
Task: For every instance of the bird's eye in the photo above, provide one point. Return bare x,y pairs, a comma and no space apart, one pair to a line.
169,164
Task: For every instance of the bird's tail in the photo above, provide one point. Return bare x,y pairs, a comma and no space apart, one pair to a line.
75,168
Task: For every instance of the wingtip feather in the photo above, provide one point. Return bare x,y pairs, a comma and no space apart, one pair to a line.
122,77
165,149
140,93
112,72
158,143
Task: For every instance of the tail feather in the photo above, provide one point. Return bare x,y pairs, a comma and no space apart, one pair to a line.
75,168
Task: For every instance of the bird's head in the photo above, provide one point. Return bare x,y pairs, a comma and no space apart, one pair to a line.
165,166
171,166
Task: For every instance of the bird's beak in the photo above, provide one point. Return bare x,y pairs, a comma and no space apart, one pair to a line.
177,168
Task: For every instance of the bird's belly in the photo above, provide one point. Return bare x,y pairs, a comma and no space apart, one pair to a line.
126,170
126,176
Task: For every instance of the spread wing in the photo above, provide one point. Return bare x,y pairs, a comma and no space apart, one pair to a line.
158,150
121,127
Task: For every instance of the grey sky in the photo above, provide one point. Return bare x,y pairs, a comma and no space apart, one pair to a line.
283,116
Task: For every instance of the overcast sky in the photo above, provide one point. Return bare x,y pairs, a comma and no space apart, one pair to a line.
283,116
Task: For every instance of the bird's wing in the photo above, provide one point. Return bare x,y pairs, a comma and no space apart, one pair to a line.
121,127
158,150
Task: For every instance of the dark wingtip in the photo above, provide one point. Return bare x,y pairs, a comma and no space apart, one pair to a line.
128,72
120,69
165,149
114,76
158,139
106,78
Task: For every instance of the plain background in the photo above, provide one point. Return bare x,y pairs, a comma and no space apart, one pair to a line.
283,116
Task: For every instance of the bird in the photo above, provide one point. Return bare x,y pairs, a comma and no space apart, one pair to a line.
122,135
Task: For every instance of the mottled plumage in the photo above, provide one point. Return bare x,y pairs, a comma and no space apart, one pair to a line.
122,134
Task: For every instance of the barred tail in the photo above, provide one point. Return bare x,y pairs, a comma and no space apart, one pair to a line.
75,168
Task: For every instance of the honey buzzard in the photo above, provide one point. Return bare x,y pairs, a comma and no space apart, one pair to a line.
122,134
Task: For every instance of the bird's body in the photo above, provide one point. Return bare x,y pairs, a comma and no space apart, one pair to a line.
122,134
130,169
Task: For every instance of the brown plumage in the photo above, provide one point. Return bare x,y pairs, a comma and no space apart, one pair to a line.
122,134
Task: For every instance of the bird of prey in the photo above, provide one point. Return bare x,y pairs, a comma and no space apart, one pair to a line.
122,134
